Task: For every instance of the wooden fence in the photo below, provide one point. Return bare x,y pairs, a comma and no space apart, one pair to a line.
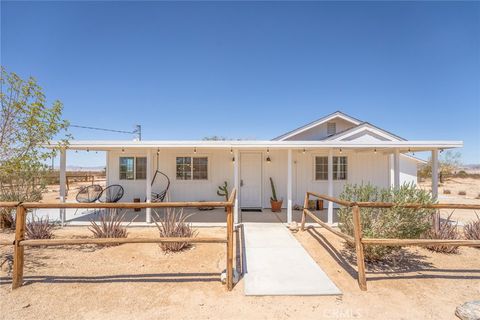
20,222
359,241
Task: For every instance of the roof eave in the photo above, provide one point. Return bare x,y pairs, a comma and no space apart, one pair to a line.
402,146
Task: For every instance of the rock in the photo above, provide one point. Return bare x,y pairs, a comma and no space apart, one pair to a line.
223,276
469,310
293,226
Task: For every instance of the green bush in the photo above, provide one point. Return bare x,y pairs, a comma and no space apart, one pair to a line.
395,222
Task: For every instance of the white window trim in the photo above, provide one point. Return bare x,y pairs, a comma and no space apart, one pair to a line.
196,155
313,170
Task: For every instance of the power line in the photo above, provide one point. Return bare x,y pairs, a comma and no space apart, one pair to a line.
102,129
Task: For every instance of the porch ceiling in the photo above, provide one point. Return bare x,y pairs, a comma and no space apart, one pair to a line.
381,146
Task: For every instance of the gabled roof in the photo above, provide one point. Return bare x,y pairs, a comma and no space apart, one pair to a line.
336,114
366,128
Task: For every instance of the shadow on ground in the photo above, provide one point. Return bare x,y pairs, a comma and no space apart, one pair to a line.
140,278
401,265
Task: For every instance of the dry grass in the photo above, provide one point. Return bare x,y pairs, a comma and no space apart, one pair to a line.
173,224
472,229
109,226
39,228
447,231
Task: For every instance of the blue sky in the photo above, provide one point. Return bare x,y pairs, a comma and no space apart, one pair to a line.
185,70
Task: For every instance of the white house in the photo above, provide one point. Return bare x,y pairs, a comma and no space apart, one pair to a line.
321,156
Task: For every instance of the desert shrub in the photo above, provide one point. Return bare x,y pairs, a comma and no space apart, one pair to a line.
39,228
24,184
395,222
472,230
462,193
446,191
446,231
173,224
109,225
462,174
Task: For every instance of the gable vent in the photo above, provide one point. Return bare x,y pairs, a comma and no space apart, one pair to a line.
331,128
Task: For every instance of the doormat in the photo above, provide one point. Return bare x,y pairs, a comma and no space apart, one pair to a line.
251,210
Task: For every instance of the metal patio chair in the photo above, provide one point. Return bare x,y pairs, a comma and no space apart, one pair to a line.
160,177
88,194
111,194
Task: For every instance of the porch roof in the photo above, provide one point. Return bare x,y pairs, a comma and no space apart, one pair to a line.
386,146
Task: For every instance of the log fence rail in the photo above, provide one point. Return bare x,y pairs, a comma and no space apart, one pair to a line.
358,241
20,242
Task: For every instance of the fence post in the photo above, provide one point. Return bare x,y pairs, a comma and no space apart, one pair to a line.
229,248
17,278
305,206
357,230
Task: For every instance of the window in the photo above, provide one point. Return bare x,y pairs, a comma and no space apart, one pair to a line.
331,128
133,168
184,168
321,168
200,168
192,168
141,168
126,168
339,168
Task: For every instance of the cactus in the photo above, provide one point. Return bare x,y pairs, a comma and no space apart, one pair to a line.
223,191
274,192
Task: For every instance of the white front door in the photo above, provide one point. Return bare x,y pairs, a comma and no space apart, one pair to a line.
250,180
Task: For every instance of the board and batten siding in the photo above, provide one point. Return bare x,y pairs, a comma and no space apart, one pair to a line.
363,167
220,169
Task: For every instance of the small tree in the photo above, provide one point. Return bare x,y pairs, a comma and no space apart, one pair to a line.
27,124
448,164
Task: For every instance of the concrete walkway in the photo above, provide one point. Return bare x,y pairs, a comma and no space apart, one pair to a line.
275,263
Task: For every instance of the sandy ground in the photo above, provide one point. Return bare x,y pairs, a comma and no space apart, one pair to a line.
455,185
52,191
138,281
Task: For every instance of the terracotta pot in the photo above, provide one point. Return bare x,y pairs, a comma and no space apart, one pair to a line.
276,205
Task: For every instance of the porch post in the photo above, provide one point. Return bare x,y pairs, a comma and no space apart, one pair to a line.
330,185
435,174
289,186
396,169
236,183
148,187
63,182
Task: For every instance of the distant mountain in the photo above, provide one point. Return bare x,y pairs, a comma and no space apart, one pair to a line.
78,168
471,166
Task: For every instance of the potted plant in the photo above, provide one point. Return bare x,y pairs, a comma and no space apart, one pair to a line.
274,202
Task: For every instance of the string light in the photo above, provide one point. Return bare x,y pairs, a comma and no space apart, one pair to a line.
195,150
375,150
303,151
340,150
158,151
268,156
231,150
123,150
